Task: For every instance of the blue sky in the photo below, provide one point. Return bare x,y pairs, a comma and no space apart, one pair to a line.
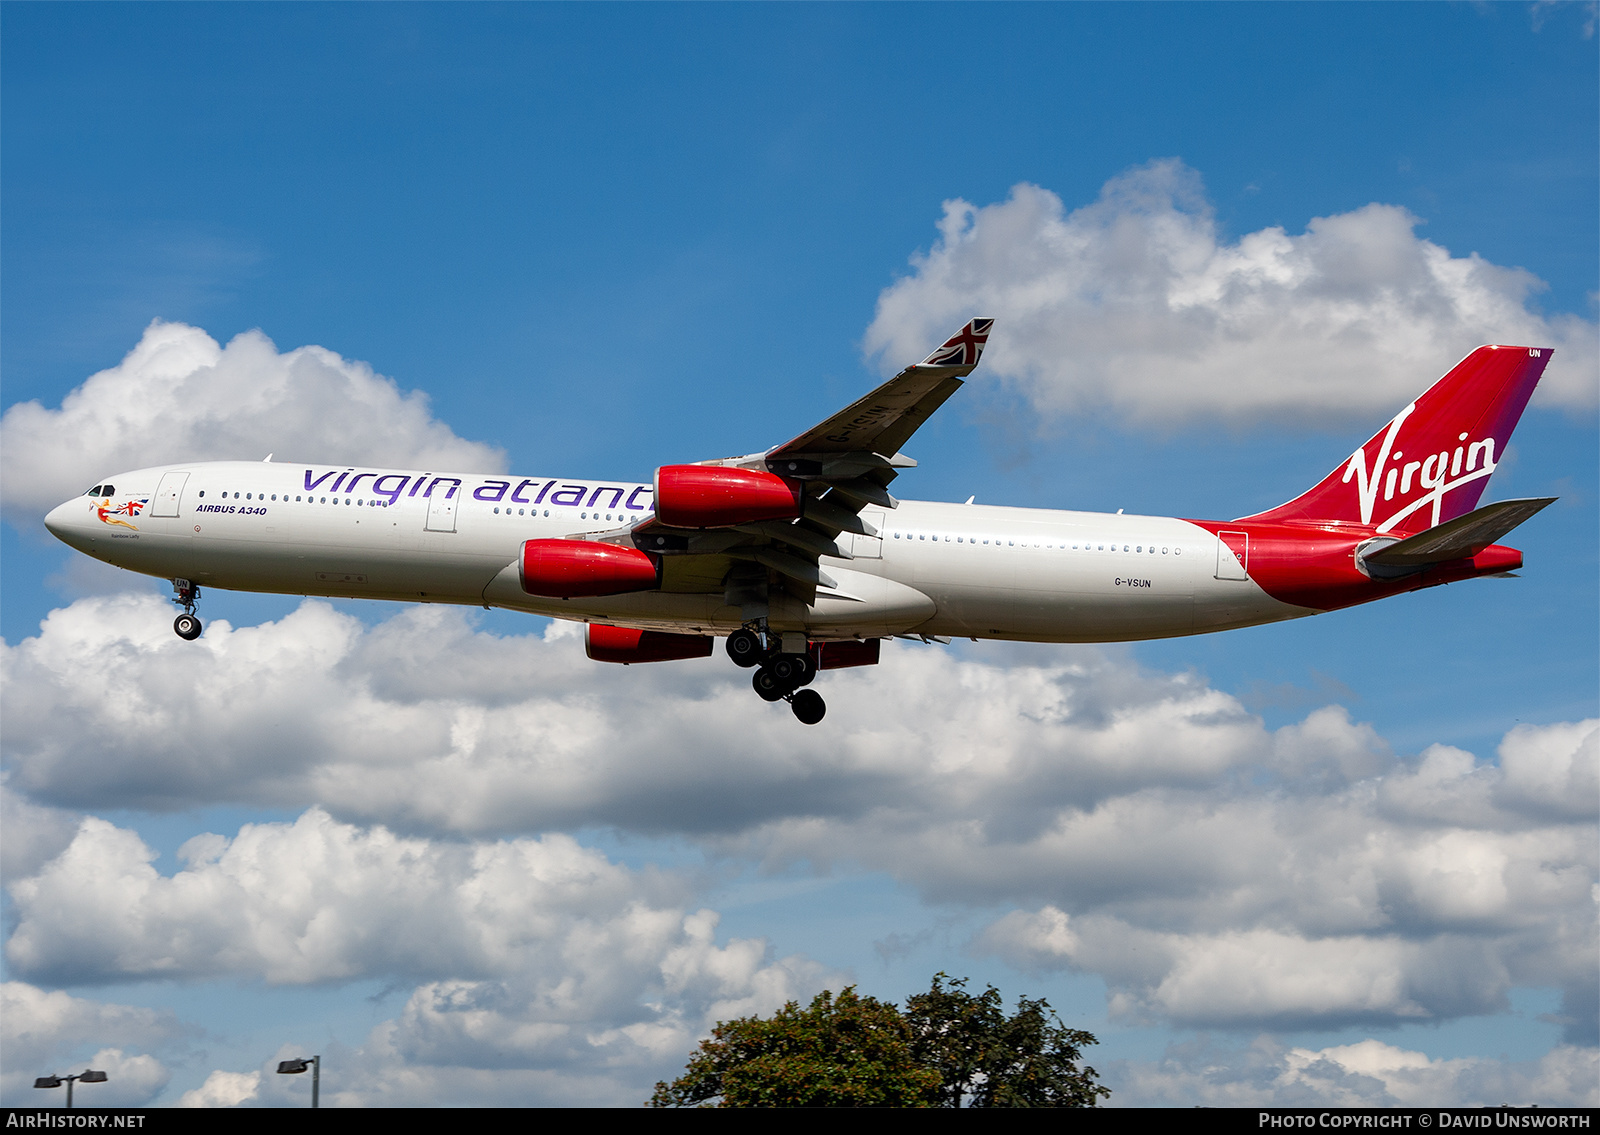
603,238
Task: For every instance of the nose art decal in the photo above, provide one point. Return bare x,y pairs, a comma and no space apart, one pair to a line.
108,515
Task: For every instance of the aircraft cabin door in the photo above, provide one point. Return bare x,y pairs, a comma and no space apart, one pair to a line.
169,494
441,514
1233,555
869,547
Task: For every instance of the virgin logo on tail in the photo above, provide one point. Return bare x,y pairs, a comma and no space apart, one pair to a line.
1438,473
1454,435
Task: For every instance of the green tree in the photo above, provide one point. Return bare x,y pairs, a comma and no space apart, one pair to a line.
847,1052
987,1059
949,1048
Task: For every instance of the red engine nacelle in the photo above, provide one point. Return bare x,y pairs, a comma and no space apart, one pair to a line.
626,645
565,569
711,496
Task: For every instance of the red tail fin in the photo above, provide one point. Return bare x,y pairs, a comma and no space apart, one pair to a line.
1431,463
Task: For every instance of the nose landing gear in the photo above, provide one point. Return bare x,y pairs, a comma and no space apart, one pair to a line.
186,625
778,676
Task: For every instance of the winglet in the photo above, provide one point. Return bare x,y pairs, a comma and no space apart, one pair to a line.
964,348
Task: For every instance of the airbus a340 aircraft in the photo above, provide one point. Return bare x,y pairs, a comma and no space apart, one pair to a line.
802,558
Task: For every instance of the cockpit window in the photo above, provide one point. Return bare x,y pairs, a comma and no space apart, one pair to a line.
108,490
99,491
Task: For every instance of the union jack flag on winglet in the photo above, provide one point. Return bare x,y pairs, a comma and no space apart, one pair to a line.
964,348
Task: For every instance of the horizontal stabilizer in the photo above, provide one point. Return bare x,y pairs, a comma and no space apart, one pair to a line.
1461,538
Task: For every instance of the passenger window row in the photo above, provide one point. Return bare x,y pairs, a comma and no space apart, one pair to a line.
1082,545
302,498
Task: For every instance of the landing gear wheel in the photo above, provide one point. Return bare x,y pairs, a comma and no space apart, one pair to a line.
744,648
808,706
188,595
767,686
793,670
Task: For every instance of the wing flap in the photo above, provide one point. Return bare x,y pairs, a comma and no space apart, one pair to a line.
796,536
861,491
785,564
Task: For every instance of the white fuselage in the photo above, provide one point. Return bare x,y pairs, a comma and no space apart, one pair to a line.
935,569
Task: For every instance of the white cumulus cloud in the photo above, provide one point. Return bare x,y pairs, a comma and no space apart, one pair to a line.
536,956
1144,826
45,1032
362,901
223,1089
1138,303
422,722
180,396
30,836
1369,1073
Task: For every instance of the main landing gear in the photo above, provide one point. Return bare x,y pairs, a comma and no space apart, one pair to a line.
779,676
186,624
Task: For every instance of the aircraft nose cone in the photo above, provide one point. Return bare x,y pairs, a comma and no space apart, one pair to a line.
65,520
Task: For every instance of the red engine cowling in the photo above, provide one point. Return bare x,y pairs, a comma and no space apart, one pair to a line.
711,496
565,569
626,645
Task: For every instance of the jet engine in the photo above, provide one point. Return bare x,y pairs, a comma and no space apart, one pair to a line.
713,496
627,645
564,569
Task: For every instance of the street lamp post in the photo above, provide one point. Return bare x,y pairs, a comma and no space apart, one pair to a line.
88,1076
289,1067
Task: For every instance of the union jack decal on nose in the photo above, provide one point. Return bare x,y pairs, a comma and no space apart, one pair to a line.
964,348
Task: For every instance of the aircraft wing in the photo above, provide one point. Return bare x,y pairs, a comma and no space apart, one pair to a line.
884,420
841,465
